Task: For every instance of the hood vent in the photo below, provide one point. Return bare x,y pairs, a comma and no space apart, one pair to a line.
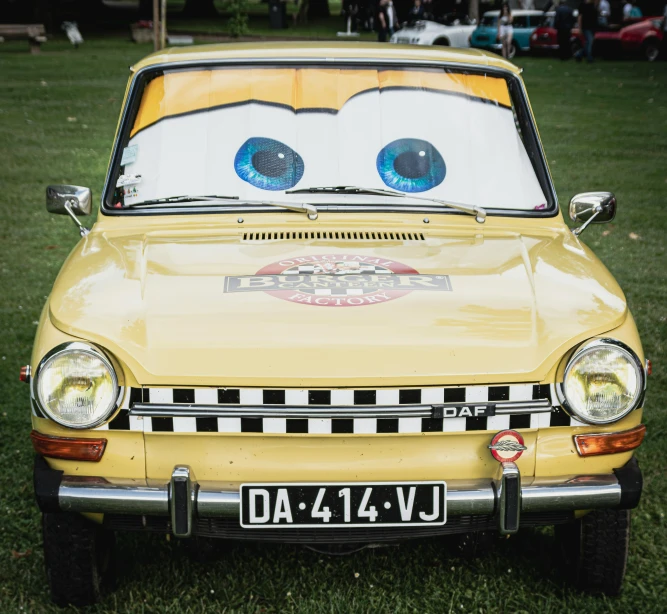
333,235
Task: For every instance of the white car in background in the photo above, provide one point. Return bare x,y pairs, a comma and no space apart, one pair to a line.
456,34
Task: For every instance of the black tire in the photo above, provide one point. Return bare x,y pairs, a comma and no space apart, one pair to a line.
595,550
441,42
651,49
79,559
575,46
514,50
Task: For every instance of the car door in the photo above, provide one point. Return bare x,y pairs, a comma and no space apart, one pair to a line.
521,31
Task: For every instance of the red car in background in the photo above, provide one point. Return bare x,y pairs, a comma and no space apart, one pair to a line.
641,37
545,37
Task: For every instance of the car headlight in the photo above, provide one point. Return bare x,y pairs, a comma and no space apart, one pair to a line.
603,382
76,386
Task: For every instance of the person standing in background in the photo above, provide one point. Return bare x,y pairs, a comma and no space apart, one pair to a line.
386,19
588,21
505,29
392,17
416,12
381,19
604,13
631,11
563,22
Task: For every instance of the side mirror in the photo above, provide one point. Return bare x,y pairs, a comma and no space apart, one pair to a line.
79,199
592,207
70,200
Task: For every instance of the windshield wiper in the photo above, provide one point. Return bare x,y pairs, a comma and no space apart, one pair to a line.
180,199
478,212
311,210
345,189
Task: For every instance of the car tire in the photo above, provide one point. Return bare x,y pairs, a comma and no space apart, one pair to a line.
651,50
575,46
79,559
514,49
441,42
595,550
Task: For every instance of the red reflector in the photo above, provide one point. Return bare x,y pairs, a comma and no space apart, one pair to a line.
68,448
609,443
24,375
649,367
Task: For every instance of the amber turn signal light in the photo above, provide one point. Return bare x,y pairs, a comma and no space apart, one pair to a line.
609,443
67,448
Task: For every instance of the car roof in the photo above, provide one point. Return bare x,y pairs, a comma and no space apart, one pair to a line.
327,51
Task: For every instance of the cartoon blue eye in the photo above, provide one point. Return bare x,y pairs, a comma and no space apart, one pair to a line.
268,164
411,165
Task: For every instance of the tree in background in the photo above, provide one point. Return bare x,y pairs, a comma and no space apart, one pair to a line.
238,21
473,9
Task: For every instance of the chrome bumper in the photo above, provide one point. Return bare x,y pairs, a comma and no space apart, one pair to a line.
183,498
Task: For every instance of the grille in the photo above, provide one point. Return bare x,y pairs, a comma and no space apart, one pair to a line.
333,235
229,528
339,411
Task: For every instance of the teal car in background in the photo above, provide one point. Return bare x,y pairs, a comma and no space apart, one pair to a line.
485,35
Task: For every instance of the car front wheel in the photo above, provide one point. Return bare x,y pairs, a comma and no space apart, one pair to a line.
651,50
79,558
595,549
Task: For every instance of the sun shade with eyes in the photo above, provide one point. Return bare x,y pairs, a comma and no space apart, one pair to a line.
262,131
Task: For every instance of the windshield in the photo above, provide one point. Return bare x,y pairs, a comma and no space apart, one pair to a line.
256,133
489,20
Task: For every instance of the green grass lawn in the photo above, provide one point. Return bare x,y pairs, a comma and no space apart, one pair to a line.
604,127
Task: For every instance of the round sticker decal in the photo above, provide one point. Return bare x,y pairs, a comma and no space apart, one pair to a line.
507,446
337,280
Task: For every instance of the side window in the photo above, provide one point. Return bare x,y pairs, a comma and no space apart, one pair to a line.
520,22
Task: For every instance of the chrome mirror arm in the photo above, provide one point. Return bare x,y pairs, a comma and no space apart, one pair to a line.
577,231
70,200
83,231
592,207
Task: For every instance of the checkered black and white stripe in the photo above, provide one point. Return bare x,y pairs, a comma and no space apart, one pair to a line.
189,399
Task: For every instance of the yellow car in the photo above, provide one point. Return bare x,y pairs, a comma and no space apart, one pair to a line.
330,298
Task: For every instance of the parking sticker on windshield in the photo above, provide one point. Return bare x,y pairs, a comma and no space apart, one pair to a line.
337,280
129,155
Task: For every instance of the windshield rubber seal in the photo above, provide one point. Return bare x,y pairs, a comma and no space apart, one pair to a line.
516,88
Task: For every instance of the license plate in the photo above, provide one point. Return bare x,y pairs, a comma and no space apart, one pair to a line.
343,505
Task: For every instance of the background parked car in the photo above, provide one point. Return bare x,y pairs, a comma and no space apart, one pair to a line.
643,37
485,36
545,38
456,33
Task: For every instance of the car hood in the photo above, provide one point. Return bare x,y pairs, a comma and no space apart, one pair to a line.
200,306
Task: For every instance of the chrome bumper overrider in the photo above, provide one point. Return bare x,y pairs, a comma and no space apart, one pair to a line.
183,498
